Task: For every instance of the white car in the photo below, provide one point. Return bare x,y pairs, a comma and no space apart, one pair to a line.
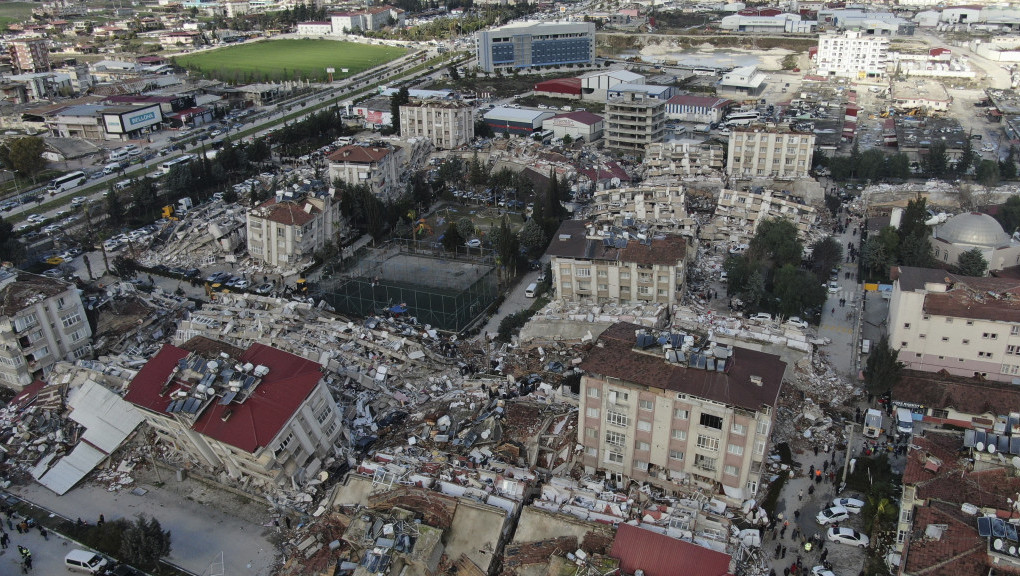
822,571
474,243
797,322
832,514
762,316
847,536
852,505
833,287
78,200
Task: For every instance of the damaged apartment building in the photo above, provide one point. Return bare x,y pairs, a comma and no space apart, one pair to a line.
739,213
286,230
662,208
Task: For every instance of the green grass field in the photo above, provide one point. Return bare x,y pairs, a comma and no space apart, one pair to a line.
14,12
287,60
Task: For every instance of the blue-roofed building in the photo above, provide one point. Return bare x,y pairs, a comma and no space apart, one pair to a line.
532,44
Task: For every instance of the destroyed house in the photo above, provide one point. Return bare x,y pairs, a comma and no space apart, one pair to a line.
282,231
262,418
617,266
675,407
42,320
394,543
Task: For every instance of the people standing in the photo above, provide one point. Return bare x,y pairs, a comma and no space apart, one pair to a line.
102,520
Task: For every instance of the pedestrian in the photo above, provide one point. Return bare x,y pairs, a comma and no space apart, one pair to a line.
784,551
811,470
786,572
800,495
43,533
811,490
825,466
796,532
779,547
286,519
796,514
102,520
20,531
782,533
5,540
28,561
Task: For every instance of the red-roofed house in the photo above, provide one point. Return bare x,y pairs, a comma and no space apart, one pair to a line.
560,88
578,125
261,418
693,108
376,166
283,232
659,555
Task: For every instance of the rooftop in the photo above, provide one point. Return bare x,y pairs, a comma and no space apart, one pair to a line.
957,550
355,154
660,555
694,100
517,114
964,394
572,241
972,228
581,117
287,212
615,356
917,89
26,290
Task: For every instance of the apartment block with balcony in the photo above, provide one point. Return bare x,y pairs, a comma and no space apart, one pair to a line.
670,415
42,321
602,268
852,55
965,325
377,167
283,232
687,157
29,55
447,123
634,121
757,151
739,213
658,207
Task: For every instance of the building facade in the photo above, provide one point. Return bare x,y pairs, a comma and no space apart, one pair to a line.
692,108
633,122
374,166
685,156
674,415
42,321
654,206
852,55
261,416
739,213
30,55
529,44
447,123
778,152
601,268
284,232
974,231
578,125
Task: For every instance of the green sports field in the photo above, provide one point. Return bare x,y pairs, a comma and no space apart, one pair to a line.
287,60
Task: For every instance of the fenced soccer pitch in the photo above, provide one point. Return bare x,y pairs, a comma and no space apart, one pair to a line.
447,292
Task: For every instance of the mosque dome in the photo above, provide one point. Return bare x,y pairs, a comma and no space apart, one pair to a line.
973,228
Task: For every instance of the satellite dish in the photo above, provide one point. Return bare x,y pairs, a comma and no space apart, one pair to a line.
979,446
991,448
1016,461
997,544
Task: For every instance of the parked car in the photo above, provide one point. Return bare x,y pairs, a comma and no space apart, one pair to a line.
847,536
264,288
239,283
762,316
822,571
833,287
832,514
797,322
218,277
473,243
852,505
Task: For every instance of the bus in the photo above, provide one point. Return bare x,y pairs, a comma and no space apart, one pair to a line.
67,181
165,167
741,118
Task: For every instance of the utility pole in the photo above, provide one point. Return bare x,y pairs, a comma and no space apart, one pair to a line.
849,450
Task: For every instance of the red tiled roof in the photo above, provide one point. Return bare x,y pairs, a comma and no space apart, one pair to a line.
615,356
959,551
941,446
561,85
961,393
287,213
253,423
28,394
359,154
659,555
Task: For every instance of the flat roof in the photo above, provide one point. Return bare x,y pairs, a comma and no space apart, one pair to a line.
517,114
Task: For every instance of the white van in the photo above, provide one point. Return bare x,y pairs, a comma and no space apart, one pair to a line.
119,154
904,421
87,562
529,292
111,168
865,346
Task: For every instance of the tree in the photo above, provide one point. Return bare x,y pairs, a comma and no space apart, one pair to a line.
797,290
399,98
567,140
874,258
916,252
452,238
1009,215
971,263
532,236
506,245
898,166
936,162
10,249
114,208
454,74
914,216
1007,168
144,542
967,158
738,274
988,172
883,508
882,371
465,227
826,253
754,291
24,155
776,240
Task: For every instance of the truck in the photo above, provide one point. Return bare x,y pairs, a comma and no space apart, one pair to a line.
873,423
183,205
904,421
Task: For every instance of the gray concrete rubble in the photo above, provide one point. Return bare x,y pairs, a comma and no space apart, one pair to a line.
206,234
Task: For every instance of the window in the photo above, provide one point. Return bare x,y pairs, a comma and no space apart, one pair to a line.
283,444
763,427
1014,331
1010,369
614,457
966,341
970,322
710,421
615,438
591,432
940,413
759,447
644,426
906,325
647,405
616,418
644,446
645,290
676,455
922,336
984,354
70,319
679,434
735,449
704,462
948,320
82,352
708,443
61,303
1012,349
945,338
593,392
681,414
738,429
617,397
901,536
592,412
324,414
624,275
332,428
591,451
566,284
641,465
583,272
990,336
731,470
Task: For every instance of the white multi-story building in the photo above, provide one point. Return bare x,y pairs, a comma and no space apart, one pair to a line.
447,123
673,416
588,266
757,151
739,213
42,321
376,166
654,206
283,232
633,122
852,55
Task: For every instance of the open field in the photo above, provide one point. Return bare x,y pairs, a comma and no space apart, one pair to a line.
13,12
287,60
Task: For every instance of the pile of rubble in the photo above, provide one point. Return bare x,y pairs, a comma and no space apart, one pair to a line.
562,320
208,232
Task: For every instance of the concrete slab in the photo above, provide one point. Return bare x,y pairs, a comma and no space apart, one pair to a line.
476,532
536,524
352,493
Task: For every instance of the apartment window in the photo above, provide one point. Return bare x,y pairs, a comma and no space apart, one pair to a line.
940,414
617,419
61,303
708,443
731,470
280,232
602,274
82,352
603,287
922,336
323,415
738,429
567,285
583,272
592,412
763,427
624,275
1010,369
644,426
70,319
970,322
593,392
591,451
1012,349
644,446
332,428
283,444
901,536
641,465
679,434
615,438
710,421
965,342
676,455
614,457
1014,330
644,290
906,325
681,414
24,322
735,449
990,336
704,462
984,354
903,344
945,338
647,405
591,432
759,447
